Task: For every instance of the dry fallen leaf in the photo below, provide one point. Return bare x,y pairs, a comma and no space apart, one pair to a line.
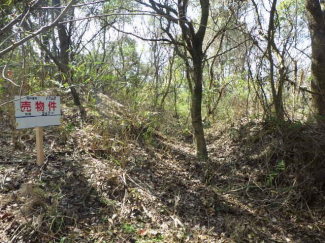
6,215
142,232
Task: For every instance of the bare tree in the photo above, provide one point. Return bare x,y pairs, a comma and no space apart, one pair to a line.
316,15
190,48
37,32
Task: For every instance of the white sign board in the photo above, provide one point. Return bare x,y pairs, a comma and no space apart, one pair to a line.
37,111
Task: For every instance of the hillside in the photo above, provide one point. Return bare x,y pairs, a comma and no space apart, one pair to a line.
118,179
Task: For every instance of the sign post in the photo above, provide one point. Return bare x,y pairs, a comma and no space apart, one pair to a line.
38,112
39,146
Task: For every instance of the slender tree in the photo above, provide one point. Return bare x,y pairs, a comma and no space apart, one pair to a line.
65,56
190,49
316,19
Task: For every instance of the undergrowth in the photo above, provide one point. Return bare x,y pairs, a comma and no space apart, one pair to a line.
291,156
105,179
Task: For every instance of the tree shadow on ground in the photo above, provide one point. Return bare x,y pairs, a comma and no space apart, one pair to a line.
49,204
247,213
162,195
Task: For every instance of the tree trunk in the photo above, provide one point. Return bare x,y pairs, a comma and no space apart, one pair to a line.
192,42
315,17
278,106
271,46
64,39
170,77
196,111
195,47
279,100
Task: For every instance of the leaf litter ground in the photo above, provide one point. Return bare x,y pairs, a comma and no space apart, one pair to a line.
139,191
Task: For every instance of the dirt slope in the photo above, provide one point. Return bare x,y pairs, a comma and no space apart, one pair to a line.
112,182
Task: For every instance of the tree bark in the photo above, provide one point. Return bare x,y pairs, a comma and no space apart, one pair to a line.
276,93
315,16
65,40
196,111
194,44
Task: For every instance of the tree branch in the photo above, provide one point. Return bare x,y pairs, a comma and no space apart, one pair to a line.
17,19
145,39
41,30
204,19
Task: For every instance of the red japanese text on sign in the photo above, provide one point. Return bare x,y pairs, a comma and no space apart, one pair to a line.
37,111
52,105
25,106
39,105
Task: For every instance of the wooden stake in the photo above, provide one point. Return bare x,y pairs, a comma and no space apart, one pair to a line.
39,146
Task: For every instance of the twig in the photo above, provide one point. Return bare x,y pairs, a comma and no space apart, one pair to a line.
124,200
4,76
177,221
123,179
23,226
74,6
39,31
141,187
